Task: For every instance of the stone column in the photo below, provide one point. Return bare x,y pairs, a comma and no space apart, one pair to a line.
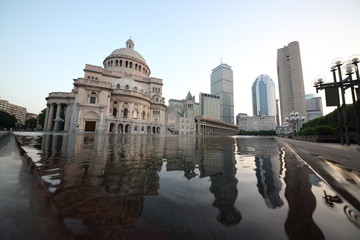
58,109
50,116
67,118
46,117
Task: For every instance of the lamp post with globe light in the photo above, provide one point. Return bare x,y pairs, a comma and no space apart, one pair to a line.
294,121
332,88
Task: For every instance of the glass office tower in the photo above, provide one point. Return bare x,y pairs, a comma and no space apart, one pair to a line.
222,86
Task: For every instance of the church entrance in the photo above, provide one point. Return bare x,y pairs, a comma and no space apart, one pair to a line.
90,126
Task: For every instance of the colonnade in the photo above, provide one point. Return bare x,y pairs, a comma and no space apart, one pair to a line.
206,126
57,117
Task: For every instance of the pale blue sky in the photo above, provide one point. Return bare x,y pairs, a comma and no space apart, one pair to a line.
44,45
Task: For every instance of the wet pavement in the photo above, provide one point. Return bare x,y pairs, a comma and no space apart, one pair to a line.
338,165
105,186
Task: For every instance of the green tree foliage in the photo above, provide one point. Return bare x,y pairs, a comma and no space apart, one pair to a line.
41,118
30,124
6,120
329,124
258,133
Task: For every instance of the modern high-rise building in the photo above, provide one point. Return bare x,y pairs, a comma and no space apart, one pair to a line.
222,86
263,96
313,106
209,106
291,83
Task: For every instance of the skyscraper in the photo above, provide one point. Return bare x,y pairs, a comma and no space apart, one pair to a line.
263,96
313,106
291,83
222,86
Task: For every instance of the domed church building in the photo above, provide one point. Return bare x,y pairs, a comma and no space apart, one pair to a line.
120,97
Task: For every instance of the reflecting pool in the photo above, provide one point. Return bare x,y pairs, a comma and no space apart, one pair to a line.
184,187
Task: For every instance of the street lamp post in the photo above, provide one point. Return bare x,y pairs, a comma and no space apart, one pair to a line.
349,68
294,120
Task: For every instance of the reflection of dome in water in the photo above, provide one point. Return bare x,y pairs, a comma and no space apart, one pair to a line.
102,215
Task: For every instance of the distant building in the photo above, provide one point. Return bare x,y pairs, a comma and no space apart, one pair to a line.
209,105
18,111
313,106
31,115
240,115
257,123
291,83
222,86
263,96
277,113
180,116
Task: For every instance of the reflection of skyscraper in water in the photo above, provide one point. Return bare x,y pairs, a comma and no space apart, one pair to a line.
302,203
269,184
268,167
212,157
223,186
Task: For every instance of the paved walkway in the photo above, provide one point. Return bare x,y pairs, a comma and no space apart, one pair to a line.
337,164
23,213
347,156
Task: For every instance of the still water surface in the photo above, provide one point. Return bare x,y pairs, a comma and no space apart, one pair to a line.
184,187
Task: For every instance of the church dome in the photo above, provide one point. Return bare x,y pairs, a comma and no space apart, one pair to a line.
128,51
127,60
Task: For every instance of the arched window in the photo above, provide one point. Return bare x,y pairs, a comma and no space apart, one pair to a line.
127,87
126,111
139,68
118,86
116,62
136,66
111,63
143,115
114,112
135,128
120,63
135,89
142,128
126,64
130,64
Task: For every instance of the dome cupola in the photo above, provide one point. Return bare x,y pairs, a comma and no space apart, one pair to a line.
127,60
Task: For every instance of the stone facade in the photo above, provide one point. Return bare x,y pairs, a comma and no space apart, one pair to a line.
180,116
120,97
257,123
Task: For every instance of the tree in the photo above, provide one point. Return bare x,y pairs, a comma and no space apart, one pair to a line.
41,118
30,124
7,120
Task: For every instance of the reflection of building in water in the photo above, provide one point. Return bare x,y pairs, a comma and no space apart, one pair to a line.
269,184
223,186
213,157
268,167
97,183
302,203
